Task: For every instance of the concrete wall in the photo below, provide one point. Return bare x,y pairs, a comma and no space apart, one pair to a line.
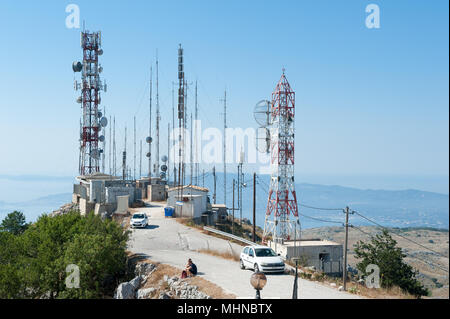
194,207
96,191
171,195
113,192
332,264
122,204
86,207
156,192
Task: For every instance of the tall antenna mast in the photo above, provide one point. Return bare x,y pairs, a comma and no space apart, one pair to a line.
181,83
124,157
140,158
282,201
110,146
191,159
225,148
90,99
173,128
102,139
149,137
168,153
134,142
157,118
196,137
114,148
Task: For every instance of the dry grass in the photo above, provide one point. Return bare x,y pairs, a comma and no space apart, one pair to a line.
221,254
207,287
378,293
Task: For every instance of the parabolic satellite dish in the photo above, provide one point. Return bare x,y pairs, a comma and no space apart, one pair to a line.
103,121
101,138
262,140
99,114
148,139
164,158
148,155
262,113
77,66
164,167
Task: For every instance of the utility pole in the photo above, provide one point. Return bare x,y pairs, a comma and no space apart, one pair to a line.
232,221
254,207
203,183
344,273
214,175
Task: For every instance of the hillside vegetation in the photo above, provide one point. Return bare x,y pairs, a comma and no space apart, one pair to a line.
44,260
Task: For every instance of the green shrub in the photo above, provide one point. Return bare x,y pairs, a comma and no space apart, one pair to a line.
34,263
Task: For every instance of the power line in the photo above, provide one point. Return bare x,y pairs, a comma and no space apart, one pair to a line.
320,208
374,222
411,256
321,220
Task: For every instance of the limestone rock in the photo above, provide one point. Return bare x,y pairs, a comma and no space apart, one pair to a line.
125,291
144,293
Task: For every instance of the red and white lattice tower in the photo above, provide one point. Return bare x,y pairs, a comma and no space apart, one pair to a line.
90,86
282,221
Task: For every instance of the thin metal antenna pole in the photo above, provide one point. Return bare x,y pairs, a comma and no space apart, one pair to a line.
134,148
196,137
150,128
110,146
157,116
224,149
191,153
140,158
168,153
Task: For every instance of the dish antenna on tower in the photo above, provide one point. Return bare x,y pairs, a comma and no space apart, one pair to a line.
262,115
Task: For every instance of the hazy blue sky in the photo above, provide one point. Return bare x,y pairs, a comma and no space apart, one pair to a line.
369,101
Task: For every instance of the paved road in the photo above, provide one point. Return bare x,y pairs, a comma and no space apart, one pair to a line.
170,242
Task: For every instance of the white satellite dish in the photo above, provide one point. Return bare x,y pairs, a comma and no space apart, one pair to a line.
164,158
262,113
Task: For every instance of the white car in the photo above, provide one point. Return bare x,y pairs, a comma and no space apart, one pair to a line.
139,220
261,259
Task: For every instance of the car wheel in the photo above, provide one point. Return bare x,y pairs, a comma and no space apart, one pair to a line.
242,264
256,268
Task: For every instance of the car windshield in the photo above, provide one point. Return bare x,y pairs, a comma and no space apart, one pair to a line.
265,252
138,216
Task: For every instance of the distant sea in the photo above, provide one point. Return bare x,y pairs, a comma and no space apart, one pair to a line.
392,206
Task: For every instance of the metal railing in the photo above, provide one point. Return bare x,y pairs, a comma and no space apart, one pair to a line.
213,230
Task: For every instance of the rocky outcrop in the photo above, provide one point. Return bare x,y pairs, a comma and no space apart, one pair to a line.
64,209
125,291
167,288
